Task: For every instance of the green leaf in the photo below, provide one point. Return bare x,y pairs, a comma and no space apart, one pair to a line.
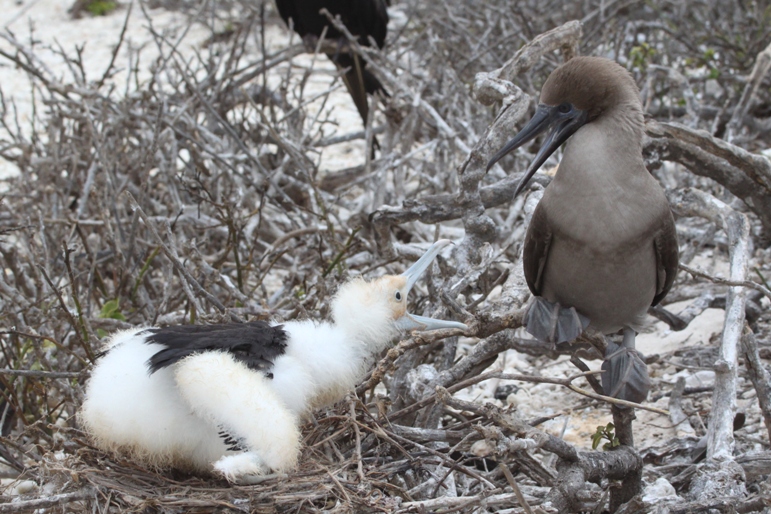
111,310
101,7
597,437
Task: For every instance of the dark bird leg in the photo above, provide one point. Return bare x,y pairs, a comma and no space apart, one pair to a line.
553,323
624,373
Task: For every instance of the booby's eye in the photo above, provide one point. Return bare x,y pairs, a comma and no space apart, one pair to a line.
564,108
398,296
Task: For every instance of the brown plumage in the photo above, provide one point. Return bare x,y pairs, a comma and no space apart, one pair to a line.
602,240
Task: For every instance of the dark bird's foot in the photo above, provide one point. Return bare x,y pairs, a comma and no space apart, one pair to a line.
624,373
553,323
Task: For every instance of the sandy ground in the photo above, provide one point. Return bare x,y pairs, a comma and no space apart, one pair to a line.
49,25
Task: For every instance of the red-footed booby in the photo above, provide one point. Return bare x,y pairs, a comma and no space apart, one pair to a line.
601,247
228,398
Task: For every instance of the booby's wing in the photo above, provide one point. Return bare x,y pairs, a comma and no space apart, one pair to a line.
667,257
256,344
536,250
546,321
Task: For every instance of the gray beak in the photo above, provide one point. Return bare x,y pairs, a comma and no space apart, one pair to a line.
563,124
409,321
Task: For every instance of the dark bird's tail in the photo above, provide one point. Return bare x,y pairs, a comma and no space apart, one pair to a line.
360,82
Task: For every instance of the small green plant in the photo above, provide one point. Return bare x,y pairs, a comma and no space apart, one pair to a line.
641,55
706,60
101,7
606,432
111,310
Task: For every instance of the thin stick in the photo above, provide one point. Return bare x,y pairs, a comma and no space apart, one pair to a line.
357,433
722,281
40,374
515,487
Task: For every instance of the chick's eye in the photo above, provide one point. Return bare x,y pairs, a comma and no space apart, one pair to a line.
398,296
565,108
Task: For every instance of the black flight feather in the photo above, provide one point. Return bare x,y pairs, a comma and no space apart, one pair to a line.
256,344
233,444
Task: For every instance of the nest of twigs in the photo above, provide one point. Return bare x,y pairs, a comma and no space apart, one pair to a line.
199,189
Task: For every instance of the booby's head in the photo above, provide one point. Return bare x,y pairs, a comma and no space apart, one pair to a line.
579,92
376,311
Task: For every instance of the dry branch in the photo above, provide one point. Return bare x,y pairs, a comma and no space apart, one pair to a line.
56,500
720,438
759,375
746,175
759,73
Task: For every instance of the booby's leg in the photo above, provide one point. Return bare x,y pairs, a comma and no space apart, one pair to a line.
553,323
244,403
624,373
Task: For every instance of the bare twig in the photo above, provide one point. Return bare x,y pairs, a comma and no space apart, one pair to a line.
718,280
758,375
694,202
55,500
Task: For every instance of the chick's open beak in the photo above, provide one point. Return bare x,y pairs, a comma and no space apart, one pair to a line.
409,321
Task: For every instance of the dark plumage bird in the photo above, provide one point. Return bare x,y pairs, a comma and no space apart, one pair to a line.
363,18
601,247
229,398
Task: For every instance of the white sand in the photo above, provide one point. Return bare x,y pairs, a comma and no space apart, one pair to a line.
52,27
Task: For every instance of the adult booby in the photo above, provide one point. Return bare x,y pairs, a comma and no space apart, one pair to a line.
601,246
362,18
228,398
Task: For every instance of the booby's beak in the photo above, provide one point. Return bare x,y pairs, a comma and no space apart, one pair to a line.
409,321
564,120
